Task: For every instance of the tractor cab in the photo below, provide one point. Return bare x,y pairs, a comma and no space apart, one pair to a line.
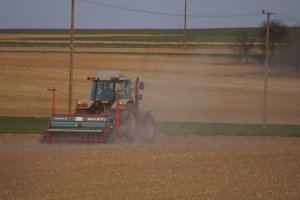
105,91
105,87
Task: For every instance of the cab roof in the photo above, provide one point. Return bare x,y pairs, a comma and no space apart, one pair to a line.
110,75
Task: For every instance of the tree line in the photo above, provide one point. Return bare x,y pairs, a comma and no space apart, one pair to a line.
284,44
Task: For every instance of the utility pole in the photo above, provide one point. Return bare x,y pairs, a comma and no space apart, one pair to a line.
185,31
71,61
266,68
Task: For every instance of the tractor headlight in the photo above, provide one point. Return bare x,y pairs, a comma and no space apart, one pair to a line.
79,104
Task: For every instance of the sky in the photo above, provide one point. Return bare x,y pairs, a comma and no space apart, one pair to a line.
114,14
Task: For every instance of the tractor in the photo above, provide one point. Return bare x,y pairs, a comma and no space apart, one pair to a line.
111,114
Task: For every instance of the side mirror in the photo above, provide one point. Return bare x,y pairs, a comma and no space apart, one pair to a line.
141,85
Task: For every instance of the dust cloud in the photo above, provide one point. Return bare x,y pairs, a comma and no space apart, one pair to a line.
203,90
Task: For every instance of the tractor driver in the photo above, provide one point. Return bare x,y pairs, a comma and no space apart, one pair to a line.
107,92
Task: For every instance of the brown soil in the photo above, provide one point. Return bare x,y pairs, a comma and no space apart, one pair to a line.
201,89
171,168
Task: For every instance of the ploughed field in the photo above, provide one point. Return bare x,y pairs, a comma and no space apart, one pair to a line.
190,167
205,83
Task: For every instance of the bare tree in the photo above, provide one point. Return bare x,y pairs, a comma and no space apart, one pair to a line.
287,55
244,43
278,33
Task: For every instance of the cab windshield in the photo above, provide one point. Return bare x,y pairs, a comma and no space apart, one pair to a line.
105,90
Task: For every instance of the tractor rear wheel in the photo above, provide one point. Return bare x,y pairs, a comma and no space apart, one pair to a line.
128,124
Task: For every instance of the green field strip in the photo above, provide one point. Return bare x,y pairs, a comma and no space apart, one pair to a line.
215,55
114,45
22,124
204,35
223,31
196,38
213,129
37,125
128,38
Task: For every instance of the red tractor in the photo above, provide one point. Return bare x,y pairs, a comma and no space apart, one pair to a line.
111,114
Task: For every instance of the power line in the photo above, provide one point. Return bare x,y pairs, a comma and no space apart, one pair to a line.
102,4
165,13
288,17
71,59
223,16
129,9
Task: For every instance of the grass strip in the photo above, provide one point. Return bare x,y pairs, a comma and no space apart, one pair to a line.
213,34
22,124
37,125
207,35
116,45
258,57
214,129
